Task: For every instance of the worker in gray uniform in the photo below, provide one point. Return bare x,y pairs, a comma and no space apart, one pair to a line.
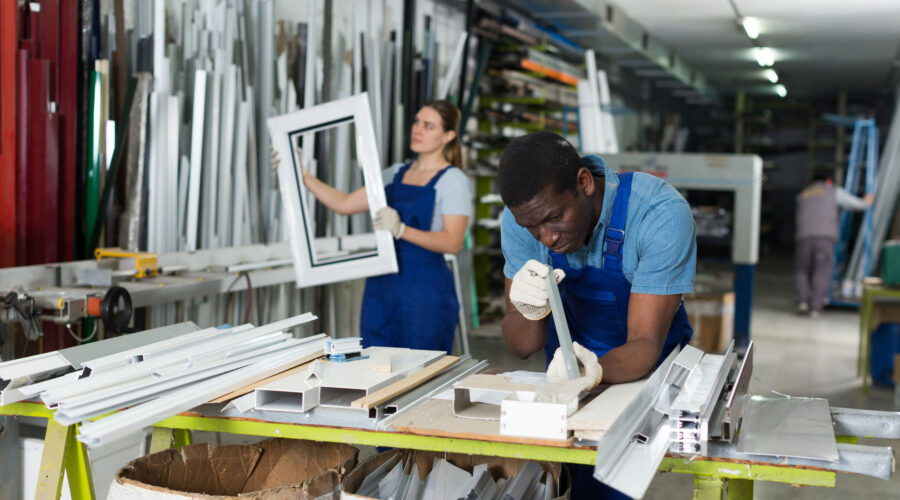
816,234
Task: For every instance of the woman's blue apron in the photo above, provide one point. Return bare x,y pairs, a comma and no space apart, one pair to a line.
596,305
417,307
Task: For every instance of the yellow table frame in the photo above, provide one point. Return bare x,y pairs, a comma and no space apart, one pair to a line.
871,294
62,451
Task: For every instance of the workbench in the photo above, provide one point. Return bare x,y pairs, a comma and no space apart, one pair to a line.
63,453
879,304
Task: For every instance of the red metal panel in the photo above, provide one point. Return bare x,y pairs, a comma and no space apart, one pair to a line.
68,115
8,34
38,205
48,20
21,156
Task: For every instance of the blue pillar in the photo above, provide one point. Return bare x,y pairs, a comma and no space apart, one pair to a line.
743,302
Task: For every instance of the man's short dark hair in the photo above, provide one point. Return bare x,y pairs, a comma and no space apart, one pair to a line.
532,162
820,175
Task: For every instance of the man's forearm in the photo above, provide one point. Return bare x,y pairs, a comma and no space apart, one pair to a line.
629,361
523,336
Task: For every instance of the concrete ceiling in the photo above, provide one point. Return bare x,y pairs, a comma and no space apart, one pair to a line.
821,46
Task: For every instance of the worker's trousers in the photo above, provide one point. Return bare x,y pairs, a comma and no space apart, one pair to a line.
813,263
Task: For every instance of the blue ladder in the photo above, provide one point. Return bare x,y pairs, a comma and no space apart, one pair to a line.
863,154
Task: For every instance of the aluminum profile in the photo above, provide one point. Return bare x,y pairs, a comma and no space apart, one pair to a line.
693,407
629,453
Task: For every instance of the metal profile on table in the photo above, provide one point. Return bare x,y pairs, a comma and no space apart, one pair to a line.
629,453
694,405
562,327
96,433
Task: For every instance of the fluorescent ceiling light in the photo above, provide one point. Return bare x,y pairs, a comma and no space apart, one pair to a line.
781,90
751,27
764,56
771,75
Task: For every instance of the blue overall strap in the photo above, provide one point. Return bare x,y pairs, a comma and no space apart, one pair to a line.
615,231
437,176
398,176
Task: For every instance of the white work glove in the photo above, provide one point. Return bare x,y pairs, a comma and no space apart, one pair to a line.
387,218
528,291
275,161
587,363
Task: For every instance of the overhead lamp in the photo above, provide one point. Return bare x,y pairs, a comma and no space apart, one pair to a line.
771,75
751,27
781,90
765,57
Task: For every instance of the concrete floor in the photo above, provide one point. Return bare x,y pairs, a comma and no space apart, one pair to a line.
795,355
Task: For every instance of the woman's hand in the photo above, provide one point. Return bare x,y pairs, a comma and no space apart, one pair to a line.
388,219
275,161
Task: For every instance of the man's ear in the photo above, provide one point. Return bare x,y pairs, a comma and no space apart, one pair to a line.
585,181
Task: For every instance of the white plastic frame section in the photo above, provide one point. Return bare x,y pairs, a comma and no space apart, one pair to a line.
310,269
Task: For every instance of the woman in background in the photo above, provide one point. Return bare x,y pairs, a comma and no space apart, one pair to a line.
429,206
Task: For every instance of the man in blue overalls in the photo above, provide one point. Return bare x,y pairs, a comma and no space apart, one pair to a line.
624,248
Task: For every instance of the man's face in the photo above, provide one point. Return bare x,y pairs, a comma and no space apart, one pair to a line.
561,221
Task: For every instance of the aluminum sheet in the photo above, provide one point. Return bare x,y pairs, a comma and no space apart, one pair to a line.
788,427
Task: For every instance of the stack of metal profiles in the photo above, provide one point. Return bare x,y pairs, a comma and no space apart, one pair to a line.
400,479
159,374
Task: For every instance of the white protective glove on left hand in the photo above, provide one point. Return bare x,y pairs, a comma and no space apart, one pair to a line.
388,219
587,362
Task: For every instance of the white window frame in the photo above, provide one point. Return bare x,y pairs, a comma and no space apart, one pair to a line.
297,199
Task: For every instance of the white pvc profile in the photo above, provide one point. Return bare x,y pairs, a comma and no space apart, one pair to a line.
606,117
104,430
339,384
88,407
125,373
241,204
137,354
200,344
154,170
155,371
455,67
196,161
30,391
211,164
226,211
20,377
19,372
310,268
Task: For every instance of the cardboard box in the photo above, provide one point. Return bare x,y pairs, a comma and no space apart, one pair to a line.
712,316
499,467
273,469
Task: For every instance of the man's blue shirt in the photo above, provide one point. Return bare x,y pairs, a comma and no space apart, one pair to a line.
660,251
